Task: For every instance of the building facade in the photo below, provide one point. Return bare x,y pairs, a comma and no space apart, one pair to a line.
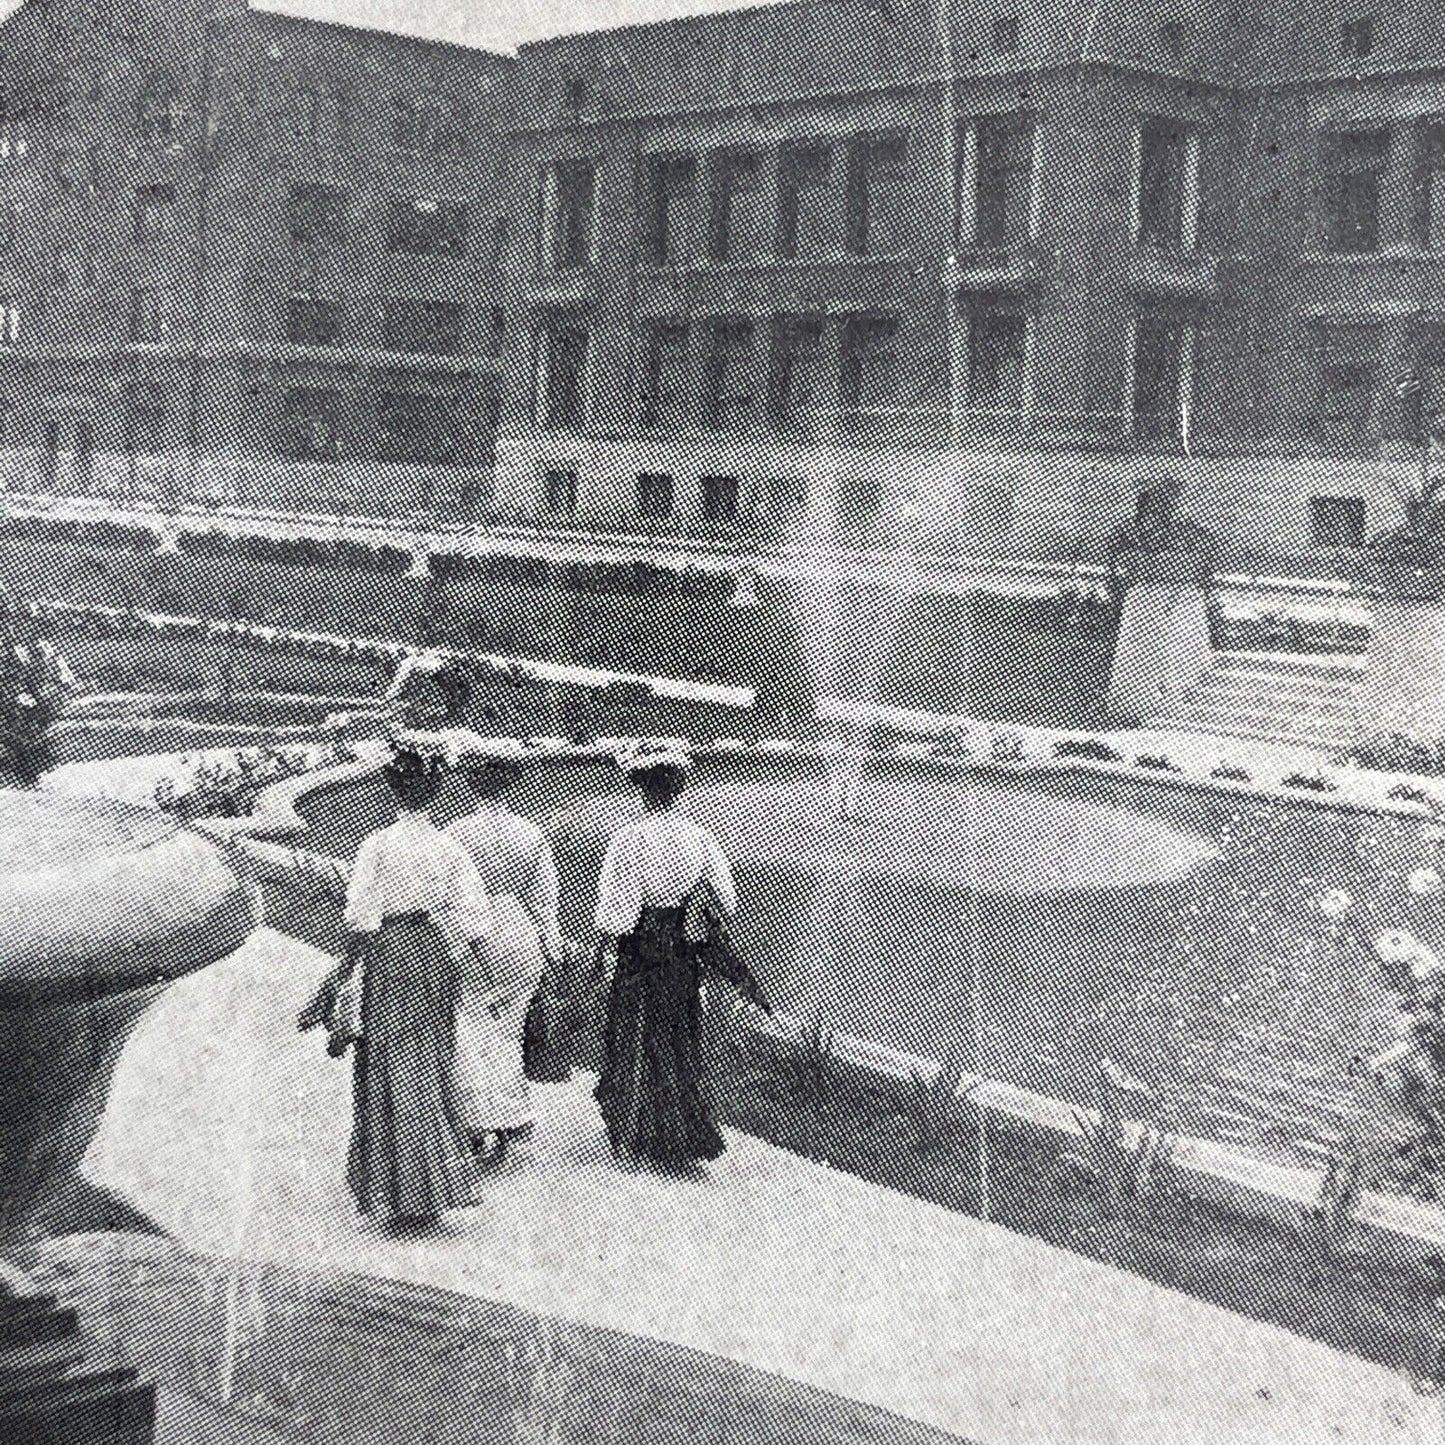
248,259
822,273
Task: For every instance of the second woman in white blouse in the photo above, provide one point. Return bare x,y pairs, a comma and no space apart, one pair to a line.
651,1089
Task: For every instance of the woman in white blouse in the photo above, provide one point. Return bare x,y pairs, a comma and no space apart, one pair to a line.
651,1089
416,905
516,866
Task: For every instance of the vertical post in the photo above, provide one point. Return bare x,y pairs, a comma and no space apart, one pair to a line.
1189,227
1136,176
1187,342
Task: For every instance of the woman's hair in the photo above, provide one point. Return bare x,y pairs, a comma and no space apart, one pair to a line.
491,777
660,785
414,779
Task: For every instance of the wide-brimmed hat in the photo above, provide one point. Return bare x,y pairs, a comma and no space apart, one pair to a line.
649,754
411,764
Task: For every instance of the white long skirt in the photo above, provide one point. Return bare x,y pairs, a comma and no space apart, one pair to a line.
1162,651
489,1083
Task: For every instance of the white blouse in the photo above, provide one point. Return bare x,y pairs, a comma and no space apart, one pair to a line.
413,867
512,855
656,862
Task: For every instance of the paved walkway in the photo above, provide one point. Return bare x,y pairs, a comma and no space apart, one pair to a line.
229,1129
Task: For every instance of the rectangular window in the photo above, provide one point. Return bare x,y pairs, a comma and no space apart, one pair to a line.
560,493
996,355
809,223
1006,35
665,389
311,321
422,226
1357,37
1354,169
9,322
564,369
654,495
428,327
784,498
147,317
158,112
1160,352
1002,185
738,221
9,227
1171,39
728,375
1165,150
667,208
797,394
719,499
860,499
1430,185
145,421
877,195
155,213
420,428
1337,522
318,214
310,424
575,185
1347,366
496,332
868,375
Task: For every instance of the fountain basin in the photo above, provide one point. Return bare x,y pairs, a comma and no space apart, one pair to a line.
103,904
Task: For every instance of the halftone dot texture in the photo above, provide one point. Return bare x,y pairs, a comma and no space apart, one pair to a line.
846,293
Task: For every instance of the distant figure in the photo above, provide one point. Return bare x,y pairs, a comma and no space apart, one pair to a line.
651,1091
516,866
416,906
1161,564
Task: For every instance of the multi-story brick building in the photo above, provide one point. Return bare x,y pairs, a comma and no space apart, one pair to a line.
247,258
816,271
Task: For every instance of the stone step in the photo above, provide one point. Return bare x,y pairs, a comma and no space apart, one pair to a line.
1348,666
1267,713
1253,685
1312,741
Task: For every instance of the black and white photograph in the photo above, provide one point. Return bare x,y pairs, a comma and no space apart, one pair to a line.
722,722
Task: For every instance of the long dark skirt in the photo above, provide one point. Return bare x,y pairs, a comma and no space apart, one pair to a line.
652,1093
410,1155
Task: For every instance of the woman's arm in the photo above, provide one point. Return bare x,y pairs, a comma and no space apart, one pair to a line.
365,904
718,872
619,888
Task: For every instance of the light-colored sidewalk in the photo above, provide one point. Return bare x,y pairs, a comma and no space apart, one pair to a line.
229,1129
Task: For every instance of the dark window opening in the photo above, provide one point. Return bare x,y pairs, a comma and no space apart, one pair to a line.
868,376
1006,35
1163,169
1354,163
1357,37
147,316
318,214
667,203
719,499
310,426
566,360
1159,355
996,352
1003,183
1171,38
665,389
654,495
797,393
421,226
425,327
145,421
311,321
421,428
728,375
1337,522
576,184
1430,185
1347,369
737,224
877,195
560,493
804,213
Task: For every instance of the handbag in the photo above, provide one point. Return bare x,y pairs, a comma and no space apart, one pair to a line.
705,926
